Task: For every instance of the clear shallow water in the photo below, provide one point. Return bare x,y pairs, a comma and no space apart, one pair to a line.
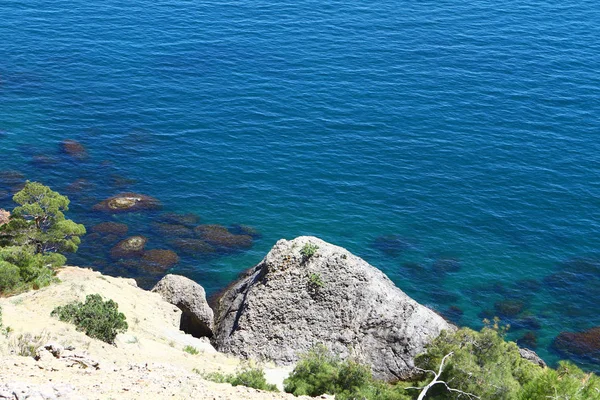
464,134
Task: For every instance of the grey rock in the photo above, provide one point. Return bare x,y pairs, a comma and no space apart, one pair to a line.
293,300
196,315
532,356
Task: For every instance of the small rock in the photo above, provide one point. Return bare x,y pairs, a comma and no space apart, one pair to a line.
126,202
74,149
190,298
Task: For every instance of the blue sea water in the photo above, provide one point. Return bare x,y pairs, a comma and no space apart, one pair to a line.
453,145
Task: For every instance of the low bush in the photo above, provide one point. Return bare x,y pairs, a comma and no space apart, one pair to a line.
191,350
319,372
253,377
97,318
26,344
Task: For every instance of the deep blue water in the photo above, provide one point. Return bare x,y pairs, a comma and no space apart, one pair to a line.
454,146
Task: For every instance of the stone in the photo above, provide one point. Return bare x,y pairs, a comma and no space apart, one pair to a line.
531,355
290,302
195,247
129,248
189,220
110,228
127,202
509,308
240,229
158,260
79,185
4,216
585,344
445,265
190,298
74,149
528,340
392,245
11,178
219,236
174,230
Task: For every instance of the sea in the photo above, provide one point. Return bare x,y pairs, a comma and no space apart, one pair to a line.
453,145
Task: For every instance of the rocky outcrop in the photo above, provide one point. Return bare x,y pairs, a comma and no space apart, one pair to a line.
307,291
190,298
131,247
4,216
532,356
126,202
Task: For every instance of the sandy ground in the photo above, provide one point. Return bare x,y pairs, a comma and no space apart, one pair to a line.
146,362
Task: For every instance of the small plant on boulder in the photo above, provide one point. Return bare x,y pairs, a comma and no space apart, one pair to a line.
97,318
315,281
308,250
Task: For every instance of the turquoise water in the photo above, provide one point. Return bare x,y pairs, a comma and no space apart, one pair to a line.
454,146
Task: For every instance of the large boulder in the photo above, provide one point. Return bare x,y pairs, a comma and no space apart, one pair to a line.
190,298
307,291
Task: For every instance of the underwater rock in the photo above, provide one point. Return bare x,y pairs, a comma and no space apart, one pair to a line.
415,270
79,185
126,202
453,314
173,230
74,149
391,245
189,220
129,248
193,246
157,260
119,181
107,228
528,322
43,161
529,285
11,178
486,314
248,230
445,265
509,308
584,344
219,236
529,340
109,239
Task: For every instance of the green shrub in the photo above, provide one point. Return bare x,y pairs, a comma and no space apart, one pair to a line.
214,377
319,372
98,319
32,239
308,250
567,382
191,350
9,277
247,376
482,364
252,377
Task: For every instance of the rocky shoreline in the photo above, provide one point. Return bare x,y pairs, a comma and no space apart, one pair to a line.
304,292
